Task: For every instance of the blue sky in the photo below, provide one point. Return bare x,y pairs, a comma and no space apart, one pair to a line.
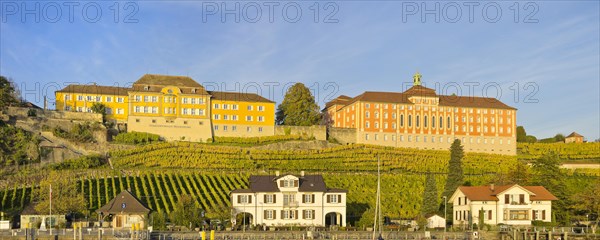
546,63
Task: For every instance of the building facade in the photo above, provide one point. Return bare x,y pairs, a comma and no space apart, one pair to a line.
289,200
510,204
124,211
174,107
420,118
574,138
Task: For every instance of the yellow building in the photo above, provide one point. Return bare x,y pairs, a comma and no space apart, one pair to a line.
80,98
242,115
175,107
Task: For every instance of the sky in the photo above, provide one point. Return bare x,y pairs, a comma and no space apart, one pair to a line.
542,58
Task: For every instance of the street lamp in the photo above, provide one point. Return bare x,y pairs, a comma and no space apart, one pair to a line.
445,220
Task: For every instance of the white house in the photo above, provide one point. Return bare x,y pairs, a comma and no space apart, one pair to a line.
436,221
510,204
289,200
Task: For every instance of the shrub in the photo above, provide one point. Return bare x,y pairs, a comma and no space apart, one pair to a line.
258,140
136,138
78,133
84,162
31,112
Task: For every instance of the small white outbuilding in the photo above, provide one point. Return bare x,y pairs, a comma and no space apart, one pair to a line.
436,221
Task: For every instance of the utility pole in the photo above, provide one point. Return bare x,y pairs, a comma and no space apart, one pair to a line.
445,216
50,198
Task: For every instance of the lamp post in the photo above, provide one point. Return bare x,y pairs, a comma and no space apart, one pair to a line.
445,216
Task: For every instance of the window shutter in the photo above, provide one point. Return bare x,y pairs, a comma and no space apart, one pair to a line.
312,198
303,214
249,198
506,199
265,198
265,214
328,198
274,198
295,183
521,198
303,198
296,214
533,215
274,214
489,214
313,214
239,198
543,214
339,198
458,200
282,214
281,183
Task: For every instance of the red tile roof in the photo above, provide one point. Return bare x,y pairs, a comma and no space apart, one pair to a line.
95,89
574,134
485,193
418,90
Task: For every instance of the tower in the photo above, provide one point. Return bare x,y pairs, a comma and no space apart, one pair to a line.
417,79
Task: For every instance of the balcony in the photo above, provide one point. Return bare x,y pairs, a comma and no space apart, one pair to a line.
290,204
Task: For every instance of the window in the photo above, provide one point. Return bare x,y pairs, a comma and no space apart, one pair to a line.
376,114
225,106
261,119
417,120
448,123
108,99
394,125
260,129
145,109
249,108
216,116
67,108
394,115
201,112
79,98
119,99
334,198
308,214
261,108
249,118
270,214
216,106
367,115
376,126
401,120
234,107
425,121
385,115
146,99
233,128
234,117
225,117
289,214
154,99
89,98
225,128
98,99
367,105
244,199
308,198
409,120
366,136
288,183
136,109
216,127
108,111
385,125
518,215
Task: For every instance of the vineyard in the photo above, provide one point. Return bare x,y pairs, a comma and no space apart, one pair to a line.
347,158
566,151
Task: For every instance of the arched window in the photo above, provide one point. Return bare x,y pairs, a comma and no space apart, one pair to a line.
448,122
401,120
409,120
425,121
433,121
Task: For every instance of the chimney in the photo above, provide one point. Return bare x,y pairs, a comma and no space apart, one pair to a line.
492,187
301,173
276,173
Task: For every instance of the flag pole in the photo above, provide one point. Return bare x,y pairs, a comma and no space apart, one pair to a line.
50,209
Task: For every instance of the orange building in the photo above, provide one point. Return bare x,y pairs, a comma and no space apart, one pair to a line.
420,118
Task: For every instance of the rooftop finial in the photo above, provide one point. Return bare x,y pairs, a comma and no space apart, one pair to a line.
417,79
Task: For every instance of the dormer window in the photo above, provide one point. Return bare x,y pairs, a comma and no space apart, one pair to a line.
146,88
288,183
193,90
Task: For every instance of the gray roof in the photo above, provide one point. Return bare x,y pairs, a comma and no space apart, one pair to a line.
268,183
124,199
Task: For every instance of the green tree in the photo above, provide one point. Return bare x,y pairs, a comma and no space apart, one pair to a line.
559,137
186,212
65,196
430,196
530,139
159,221
547,173
521,134
7,93
298,107
100,108
588,202
455,173
519,174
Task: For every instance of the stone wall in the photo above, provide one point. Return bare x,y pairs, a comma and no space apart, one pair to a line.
319,132
343,135
76,116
